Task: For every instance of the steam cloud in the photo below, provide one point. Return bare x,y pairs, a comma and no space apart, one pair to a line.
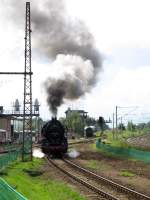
68,44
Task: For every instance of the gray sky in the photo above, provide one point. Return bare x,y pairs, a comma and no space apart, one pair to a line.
122,34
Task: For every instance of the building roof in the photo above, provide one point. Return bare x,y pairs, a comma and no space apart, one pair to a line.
2,131
79,111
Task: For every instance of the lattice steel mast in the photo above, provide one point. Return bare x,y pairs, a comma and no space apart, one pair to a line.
27,122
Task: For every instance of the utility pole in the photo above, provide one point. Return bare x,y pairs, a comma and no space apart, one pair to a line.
116,121
121,125
113,126
27,115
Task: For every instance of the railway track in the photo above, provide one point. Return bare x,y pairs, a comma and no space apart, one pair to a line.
71,143
78,178
99,193
103,187
131,193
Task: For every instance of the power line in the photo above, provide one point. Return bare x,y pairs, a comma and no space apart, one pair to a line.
16,73
134,114
128,106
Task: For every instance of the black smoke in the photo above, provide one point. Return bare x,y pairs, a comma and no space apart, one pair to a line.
62,40
57,89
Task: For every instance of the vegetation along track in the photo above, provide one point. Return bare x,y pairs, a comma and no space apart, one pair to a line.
72,172
121,192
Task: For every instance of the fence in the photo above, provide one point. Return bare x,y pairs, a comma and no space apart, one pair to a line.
12,154
8,193
125,152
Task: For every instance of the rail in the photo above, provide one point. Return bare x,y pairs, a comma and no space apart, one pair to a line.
85,183
113,184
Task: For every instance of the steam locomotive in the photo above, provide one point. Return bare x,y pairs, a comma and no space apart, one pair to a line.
54,139
89,132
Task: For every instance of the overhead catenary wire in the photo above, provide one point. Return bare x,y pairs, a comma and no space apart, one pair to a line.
135,115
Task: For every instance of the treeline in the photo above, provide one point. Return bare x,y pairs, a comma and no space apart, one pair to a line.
145,127
76,123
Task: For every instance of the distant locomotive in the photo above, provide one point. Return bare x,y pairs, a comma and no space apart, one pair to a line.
89,131
54,139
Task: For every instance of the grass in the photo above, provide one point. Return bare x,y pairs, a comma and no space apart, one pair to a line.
27,179
120,139
93,164
98,165
126,173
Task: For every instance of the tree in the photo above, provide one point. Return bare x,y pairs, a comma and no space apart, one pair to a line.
90,121
74,122
121,126
101,123
147,125
131,126
141,126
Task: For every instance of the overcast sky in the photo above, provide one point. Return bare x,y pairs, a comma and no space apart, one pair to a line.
121,29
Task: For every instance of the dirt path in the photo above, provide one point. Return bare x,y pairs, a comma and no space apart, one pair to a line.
133,174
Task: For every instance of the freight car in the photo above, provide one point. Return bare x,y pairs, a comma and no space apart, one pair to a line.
54,138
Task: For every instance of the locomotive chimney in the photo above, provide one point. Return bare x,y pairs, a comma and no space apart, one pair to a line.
54,118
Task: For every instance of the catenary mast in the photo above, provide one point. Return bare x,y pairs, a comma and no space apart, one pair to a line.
27,115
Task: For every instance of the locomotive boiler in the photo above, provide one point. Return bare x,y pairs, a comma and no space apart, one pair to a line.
54,138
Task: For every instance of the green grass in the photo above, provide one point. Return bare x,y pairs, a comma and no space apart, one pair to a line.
98,165
126,173
121,140
121,137
36,187
93,164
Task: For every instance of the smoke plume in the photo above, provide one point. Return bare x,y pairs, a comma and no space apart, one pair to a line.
75,78
68,44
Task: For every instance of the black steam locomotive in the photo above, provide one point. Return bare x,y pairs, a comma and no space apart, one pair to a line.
54,139
89,132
